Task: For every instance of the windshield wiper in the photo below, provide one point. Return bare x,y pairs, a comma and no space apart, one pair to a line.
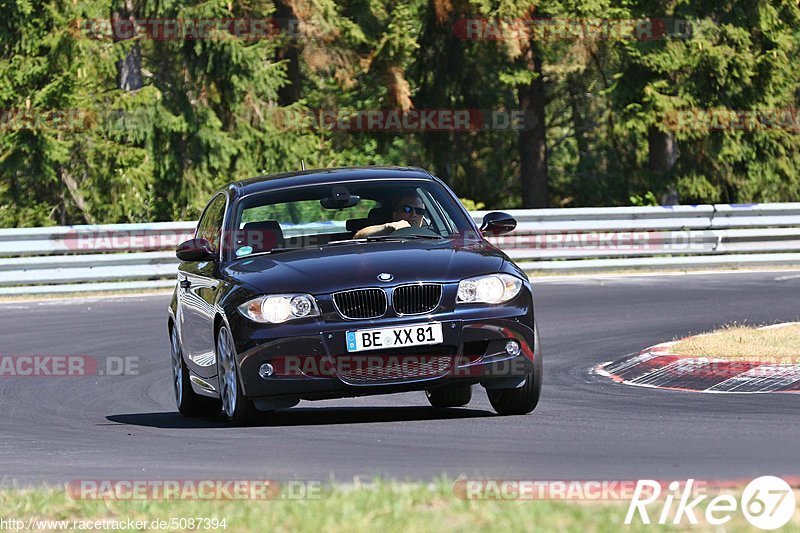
268,252
279,250
377,238
374,238
348,241
365,239
391,237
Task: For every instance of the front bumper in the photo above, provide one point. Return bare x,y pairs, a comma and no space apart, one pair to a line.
315,365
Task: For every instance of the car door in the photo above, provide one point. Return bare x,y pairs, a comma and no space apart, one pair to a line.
197,289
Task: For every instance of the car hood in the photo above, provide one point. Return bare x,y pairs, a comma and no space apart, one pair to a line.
334,268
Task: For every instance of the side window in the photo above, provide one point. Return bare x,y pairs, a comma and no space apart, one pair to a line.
438,219
210,225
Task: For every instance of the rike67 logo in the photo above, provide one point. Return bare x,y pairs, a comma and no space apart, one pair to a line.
767,503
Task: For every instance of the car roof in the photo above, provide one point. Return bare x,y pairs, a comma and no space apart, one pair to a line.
325,175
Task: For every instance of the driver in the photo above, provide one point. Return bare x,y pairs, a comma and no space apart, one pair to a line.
408,212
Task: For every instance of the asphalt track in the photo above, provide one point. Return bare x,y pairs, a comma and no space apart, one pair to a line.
57,429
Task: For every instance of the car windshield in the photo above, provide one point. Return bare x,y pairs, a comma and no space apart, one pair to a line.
327,215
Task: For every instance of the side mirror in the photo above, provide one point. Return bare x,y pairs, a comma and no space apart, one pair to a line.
497,223
195,250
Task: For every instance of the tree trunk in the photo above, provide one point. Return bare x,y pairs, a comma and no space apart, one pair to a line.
129,68
532,137
586,186
289,93
75,193
662,154
662,151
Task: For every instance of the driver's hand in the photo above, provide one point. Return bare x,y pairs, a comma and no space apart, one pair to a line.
394,226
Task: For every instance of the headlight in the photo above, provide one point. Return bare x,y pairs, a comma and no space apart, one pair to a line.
491,289
278,308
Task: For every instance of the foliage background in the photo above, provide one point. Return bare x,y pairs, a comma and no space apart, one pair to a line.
163,123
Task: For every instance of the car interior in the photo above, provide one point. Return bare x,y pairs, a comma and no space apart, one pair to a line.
265,235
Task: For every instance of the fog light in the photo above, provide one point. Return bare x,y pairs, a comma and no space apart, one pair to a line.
265,370
512,348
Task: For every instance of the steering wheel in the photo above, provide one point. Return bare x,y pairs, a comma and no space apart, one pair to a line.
414,231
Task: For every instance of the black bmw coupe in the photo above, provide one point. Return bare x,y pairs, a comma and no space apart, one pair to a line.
348,282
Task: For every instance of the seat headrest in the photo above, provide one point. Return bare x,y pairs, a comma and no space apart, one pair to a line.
356,224
262,236
379,215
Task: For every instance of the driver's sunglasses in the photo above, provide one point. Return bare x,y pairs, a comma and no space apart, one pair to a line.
408,209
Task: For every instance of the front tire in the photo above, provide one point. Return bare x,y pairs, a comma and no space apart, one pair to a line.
522,400
188,402
456,396
238,409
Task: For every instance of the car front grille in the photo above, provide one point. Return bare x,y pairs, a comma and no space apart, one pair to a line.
395,366
361,303
416,299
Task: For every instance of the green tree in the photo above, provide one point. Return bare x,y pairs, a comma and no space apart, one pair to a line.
737,59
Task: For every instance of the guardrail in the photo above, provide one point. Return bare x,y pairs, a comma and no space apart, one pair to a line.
141,256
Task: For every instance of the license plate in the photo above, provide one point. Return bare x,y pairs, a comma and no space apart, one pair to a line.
399,337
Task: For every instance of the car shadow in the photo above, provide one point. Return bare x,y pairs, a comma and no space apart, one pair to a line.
306,416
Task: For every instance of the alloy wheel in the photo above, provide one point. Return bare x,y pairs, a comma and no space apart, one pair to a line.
177,366
227,372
